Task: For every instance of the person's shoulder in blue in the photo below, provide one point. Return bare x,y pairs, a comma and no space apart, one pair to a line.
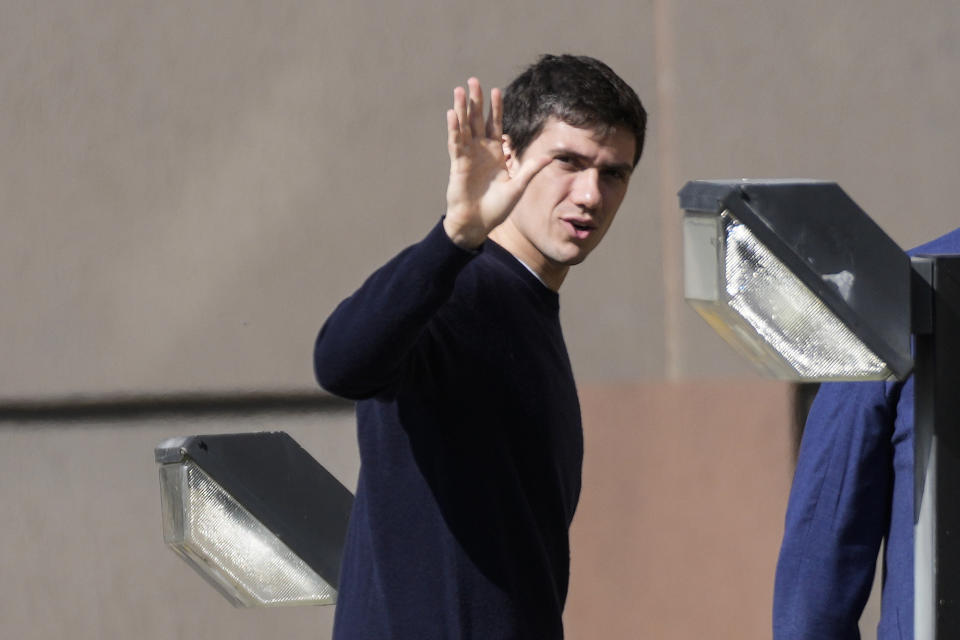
852,491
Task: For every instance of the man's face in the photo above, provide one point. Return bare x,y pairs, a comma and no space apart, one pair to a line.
569,205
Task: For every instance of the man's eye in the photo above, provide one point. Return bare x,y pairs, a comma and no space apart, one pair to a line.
565,160
615,174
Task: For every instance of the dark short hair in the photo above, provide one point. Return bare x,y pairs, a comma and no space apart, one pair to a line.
579,90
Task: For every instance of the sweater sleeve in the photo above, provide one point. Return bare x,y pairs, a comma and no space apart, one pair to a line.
362,348
837,515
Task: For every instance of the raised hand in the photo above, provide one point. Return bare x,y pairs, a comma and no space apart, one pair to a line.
481,192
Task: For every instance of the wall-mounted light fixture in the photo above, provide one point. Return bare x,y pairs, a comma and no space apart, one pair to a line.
255,515
799,279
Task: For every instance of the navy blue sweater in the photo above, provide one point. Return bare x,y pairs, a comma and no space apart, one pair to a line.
853,489
470,444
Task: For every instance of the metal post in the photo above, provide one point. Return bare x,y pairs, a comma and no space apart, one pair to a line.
937,448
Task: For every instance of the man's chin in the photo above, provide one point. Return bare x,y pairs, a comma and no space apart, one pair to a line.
570,258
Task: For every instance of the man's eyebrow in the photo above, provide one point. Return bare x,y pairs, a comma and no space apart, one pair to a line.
626,167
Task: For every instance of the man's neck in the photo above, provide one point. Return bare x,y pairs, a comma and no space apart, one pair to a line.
550,274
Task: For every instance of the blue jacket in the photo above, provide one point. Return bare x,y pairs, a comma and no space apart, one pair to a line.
852,490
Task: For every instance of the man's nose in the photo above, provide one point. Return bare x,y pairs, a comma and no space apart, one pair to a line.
586,189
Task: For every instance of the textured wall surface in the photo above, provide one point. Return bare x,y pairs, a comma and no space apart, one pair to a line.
189,188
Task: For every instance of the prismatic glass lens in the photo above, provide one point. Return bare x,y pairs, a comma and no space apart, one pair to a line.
230,548
786,314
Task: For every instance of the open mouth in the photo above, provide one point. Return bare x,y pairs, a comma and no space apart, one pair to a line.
580,230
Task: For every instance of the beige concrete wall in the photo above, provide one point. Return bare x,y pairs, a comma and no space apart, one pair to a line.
188,188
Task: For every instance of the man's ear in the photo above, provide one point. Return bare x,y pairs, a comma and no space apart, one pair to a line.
512,161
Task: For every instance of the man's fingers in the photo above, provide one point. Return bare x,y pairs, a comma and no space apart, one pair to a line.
475,108
468,108
460,109
453,133
495,119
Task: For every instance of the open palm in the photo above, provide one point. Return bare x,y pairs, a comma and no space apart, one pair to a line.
481,192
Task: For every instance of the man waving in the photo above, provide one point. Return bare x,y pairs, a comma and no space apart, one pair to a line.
468,419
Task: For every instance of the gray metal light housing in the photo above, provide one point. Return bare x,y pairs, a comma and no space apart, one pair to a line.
798,278
255,515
